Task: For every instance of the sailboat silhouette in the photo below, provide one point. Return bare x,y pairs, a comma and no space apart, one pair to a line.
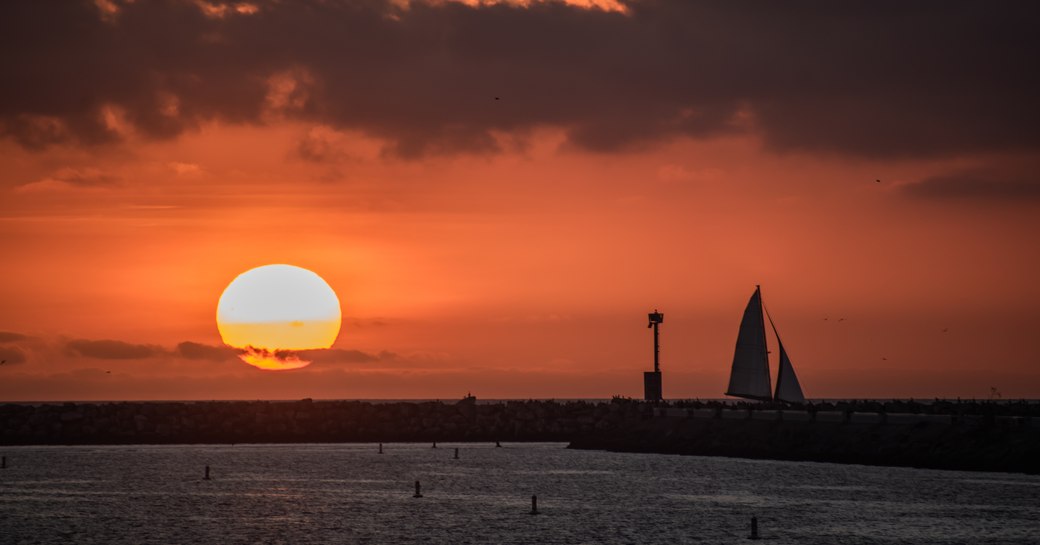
749,377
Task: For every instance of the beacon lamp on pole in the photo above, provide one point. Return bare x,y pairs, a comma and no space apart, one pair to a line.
652,379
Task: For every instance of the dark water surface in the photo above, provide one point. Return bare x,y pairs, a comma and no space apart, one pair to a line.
348,493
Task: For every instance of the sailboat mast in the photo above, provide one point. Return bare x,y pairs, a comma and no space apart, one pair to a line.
762,328
780,367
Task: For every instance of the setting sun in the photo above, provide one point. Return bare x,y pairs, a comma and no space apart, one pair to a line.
276,308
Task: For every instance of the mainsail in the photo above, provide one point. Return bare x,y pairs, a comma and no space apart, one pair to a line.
750,375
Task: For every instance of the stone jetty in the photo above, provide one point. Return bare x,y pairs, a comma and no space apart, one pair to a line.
969,436
305,421
947,435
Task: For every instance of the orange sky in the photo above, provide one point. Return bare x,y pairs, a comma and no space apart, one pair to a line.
511,247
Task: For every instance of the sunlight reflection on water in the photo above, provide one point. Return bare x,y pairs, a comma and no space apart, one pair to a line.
349,493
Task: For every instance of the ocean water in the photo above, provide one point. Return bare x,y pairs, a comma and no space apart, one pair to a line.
348,493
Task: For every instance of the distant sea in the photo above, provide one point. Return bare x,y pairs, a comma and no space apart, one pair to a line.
349,493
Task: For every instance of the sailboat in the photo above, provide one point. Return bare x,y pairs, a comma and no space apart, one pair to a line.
749,377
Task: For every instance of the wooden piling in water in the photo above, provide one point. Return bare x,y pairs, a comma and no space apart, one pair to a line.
3,462
534,505
456,454
754,528
418,490
380,448
206,478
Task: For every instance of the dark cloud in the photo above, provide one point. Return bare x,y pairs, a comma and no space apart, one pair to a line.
85,177
11,355
111,350
884,79
198,351
340,355
976,186
10,337
294,359
321,145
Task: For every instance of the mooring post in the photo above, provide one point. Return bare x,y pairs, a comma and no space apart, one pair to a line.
3,462
534,505
498,445
380,448
456,454
207,474
434,444
418,493
754,528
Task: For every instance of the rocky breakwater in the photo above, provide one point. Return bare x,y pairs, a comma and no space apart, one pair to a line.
306,421
962,442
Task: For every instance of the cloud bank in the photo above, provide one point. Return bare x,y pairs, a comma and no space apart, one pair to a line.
977,186
14,348
869,79
10,337
111,349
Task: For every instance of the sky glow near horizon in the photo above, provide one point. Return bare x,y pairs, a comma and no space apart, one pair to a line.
501,212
